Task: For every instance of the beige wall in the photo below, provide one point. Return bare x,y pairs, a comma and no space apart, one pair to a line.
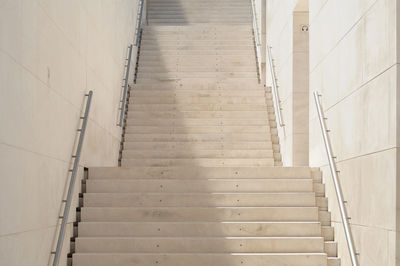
353,63
51,54
290,54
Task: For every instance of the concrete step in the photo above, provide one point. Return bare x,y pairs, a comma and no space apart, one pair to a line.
197,129
201,28
201,68
328,233
199,259
334,261
199,114
214,47
206,214
189,42
330,248
198,100
192,93
199,107
213,74
192,36
195,52
181,80
185,154
191,60
201,229
198,244
179,14
206,162
176,137
201,84
184,20
199,200
216,145
179,122
201,172
188,185
210,63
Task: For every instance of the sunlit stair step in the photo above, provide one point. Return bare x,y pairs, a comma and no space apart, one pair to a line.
201,84
216,145
206,162
163,199
245,154
199,244
196,52
198,137
200,107
198,129
199,114
198,259
206,214
201,172
187,185
196,93
202,229
179,122
198,100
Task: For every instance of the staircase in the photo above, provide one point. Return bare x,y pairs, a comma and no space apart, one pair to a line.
201,181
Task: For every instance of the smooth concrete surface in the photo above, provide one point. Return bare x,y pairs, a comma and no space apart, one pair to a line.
353,65
199,182
51,54
353,56
285,33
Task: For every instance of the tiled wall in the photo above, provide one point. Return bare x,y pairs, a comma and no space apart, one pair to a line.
353,64
51,54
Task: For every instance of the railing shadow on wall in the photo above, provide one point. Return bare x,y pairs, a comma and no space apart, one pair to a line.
257,40
336,181
68,194
123,109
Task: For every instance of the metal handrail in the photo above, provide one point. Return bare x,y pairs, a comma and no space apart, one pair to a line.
257,40
338,189
74,170
125,93
139,26
275,93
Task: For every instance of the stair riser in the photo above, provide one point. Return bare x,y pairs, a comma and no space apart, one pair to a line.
203,107
196,69
121,214
198,229
199,85
147,81
198,200
204,162
196,52
193,146
199,245
132,154
217,75
231,137
199,114
195,100
200,172
200,259
190,185
206,94
197,130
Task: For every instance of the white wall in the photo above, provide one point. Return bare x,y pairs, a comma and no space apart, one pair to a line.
52,52
353,64
290,54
